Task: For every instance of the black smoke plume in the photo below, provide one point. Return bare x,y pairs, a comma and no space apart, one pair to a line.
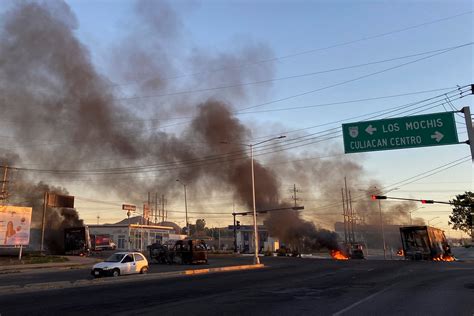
60,113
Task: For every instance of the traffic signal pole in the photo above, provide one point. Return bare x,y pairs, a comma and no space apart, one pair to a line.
470,130
235,234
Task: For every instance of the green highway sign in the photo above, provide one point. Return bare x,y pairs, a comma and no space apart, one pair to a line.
398,133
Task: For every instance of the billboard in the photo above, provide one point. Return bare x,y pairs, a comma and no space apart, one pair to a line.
15,224
58,200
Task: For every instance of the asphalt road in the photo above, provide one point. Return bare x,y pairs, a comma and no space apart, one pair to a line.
72,274
287,286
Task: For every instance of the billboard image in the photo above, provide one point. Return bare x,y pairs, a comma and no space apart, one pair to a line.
15,224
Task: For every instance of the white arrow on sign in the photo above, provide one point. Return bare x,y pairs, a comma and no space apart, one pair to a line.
438,136
370,129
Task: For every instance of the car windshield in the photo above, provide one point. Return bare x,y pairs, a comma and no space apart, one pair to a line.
116,257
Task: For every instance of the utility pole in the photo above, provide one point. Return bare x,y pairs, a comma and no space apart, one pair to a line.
98,218
156,206
344,215
352,217
348,211
295,199
149,209
470,130
4,192
163,207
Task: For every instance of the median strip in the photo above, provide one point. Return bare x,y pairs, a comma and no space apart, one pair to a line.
33,287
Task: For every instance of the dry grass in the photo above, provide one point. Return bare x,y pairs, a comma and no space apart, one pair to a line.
30,259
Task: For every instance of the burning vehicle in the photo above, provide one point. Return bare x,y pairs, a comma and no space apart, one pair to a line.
355,251
348,251
190,251
339,255
425,243
77,241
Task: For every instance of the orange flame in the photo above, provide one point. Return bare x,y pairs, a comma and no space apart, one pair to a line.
400,253
444,258
338,255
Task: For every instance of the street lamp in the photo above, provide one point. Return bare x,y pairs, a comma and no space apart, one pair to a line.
416,209
185,207
432,219
255,230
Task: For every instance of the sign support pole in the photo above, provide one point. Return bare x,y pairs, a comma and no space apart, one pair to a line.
129,238
470,131
20,253
45,203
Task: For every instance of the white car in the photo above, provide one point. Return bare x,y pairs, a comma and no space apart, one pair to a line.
121,263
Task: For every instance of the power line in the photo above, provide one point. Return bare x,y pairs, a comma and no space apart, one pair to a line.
344,102
333,85
260,111
239,154
410,180
358,78
341,44
309,74
406,181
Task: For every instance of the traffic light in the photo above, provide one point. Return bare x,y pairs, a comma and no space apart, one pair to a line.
427,202
238,225
378,197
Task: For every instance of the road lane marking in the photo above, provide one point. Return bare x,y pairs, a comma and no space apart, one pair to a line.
342,311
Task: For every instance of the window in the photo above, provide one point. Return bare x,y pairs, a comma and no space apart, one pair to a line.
121,242
139,257
128,258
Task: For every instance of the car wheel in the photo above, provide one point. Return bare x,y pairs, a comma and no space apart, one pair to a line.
116,273
144,270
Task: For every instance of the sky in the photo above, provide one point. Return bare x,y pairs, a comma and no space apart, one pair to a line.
301,40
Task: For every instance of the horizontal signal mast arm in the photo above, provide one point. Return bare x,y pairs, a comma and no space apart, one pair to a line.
423,201
295,208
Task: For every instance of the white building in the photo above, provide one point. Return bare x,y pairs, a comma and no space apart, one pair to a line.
244,237
138,236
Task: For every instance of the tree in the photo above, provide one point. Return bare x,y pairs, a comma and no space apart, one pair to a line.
463,211
200,224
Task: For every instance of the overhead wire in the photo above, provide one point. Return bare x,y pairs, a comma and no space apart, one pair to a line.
409,180
341,44
329,133
333,85
308,74
355,198
262,111
347,81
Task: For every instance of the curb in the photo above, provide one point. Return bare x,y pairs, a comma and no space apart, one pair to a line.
34,287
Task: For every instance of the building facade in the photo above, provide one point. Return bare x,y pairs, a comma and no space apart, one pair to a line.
135,236
244,237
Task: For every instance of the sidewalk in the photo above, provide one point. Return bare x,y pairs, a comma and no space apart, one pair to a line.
74,261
